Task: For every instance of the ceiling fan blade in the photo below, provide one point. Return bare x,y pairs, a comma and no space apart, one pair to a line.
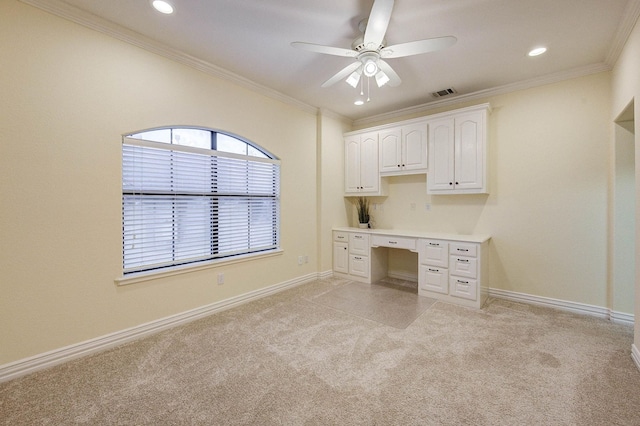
394,79
327,50
343,73
417,47
377,24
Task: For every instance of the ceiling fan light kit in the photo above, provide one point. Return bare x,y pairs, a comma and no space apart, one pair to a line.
370,48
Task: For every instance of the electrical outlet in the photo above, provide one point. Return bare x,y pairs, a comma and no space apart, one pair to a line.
300,260
306,259
220,279
427,207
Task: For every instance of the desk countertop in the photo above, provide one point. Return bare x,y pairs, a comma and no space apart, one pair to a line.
473,238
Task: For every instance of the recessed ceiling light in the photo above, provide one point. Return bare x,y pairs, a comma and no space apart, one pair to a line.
162,7
537,51
359,102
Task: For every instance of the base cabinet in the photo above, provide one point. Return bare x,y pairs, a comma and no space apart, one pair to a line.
453,271
351,255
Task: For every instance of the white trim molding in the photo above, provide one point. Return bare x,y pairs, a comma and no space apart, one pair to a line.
579,308
635,355
55,357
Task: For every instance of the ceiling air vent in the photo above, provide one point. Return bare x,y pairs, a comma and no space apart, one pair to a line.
444,92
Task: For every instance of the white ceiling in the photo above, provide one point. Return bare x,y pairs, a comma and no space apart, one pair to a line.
251,39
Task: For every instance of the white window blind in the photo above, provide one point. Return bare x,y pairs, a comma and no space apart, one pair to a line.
182,204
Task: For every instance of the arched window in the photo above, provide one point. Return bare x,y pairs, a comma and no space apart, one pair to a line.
195,195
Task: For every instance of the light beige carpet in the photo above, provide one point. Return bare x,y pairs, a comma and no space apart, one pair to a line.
391,302
289,360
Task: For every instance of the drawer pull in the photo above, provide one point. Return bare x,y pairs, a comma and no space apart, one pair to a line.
359,237
434,270
434,244
357,258
393,242
340,237
463,282
463,260
462,249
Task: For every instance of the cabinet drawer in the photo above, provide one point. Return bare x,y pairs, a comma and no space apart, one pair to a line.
395,242
434,279
359,265
359,243
463,266
463,288
434,252
464,249
341,237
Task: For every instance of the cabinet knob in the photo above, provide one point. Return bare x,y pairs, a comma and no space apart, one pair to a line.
457,183
450,183
398,165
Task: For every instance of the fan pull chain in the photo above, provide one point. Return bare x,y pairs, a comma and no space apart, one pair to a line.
368,89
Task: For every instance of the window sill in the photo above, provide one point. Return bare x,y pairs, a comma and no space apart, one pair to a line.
179,270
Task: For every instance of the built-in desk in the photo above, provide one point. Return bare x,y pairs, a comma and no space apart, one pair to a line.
451,267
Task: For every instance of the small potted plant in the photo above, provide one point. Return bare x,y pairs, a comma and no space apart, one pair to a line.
362,204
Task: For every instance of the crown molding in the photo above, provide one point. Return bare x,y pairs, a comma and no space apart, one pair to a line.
73,14
484,94
629,20
324,112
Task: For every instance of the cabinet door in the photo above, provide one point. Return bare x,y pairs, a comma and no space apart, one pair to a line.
469,151
434,279
414,147
352,164
390,151
441,155
341,257
369,167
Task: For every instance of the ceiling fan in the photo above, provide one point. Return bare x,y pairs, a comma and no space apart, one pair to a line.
370,49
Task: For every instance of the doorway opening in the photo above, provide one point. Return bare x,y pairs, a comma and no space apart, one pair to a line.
624,199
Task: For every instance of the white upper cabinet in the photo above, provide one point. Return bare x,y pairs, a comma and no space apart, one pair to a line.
450,148
458,153
403,150
362,175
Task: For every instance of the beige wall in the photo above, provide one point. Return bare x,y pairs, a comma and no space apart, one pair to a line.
333,207
626,88
68,95
547,207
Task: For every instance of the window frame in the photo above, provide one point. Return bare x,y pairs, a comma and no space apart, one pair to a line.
147,271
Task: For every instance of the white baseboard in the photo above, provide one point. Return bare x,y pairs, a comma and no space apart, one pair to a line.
580,308
325,274
635,355
32,364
